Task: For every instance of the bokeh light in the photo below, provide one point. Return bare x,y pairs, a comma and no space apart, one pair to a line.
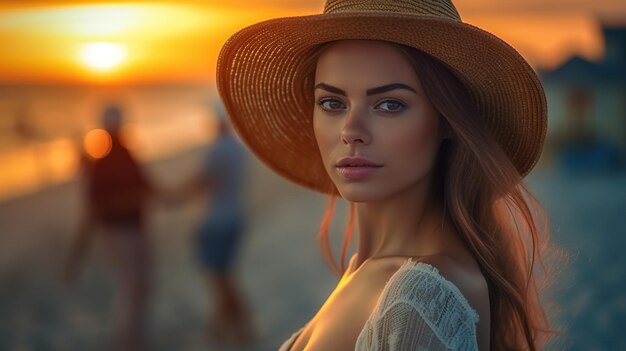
97,143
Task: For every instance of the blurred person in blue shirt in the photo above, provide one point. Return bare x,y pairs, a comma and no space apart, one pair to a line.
220,231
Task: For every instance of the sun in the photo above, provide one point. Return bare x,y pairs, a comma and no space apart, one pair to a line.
103,56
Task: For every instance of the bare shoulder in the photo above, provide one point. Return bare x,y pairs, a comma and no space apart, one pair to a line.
466,276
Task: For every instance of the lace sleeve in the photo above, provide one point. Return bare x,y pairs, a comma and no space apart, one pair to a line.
419,310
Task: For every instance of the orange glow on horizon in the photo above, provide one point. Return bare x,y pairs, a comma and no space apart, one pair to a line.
97,143
63,159
160,42
178,42
36,165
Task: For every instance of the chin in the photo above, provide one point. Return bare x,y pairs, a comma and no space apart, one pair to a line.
361,192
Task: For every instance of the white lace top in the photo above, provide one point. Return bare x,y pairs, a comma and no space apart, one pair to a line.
418,309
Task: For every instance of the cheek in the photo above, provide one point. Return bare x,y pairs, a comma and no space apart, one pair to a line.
325,138
414,149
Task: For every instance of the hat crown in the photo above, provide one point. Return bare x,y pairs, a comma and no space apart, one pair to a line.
437,8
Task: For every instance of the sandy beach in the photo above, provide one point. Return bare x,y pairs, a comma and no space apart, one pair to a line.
280,269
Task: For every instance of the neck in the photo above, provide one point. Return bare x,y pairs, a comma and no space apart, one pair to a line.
405,224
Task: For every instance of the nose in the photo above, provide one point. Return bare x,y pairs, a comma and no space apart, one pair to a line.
355,129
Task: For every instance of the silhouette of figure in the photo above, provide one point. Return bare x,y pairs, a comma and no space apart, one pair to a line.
117,192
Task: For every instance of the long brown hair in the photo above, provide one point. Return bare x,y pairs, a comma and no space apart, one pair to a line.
501,222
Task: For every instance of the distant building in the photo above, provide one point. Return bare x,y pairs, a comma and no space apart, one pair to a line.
587,107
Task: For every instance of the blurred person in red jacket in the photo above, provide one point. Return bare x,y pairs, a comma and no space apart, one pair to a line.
117,192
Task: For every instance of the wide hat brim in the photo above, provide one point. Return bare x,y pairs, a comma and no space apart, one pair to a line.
270,102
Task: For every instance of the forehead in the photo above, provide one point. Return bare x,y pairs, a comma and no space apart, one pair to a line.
364,64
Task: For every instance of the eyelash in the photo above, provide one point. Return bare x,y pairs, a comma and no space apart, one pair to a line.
402,105
384,100
322,101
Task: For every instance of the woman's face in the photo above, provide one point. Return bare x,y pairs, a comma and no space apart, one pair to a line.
376,130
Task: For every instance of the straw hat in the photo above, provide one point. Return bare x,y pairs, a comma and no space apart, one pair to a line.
269,98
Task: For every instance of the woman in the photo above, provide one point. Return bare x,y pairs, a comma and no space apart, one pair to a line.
426,126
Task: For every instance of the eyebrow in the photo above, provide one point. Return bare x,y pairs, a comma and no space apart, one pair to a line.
389,87
373,91
330,88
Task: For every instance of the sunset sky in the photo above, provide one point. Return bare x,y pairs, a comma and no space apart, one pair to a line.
122,42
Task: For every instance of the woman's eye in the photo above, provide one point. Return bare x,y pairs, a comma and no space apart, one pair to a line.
390,106
331,104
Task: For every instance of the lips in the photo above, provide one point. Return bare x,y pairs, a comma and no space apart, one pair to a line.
356,162
356,168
